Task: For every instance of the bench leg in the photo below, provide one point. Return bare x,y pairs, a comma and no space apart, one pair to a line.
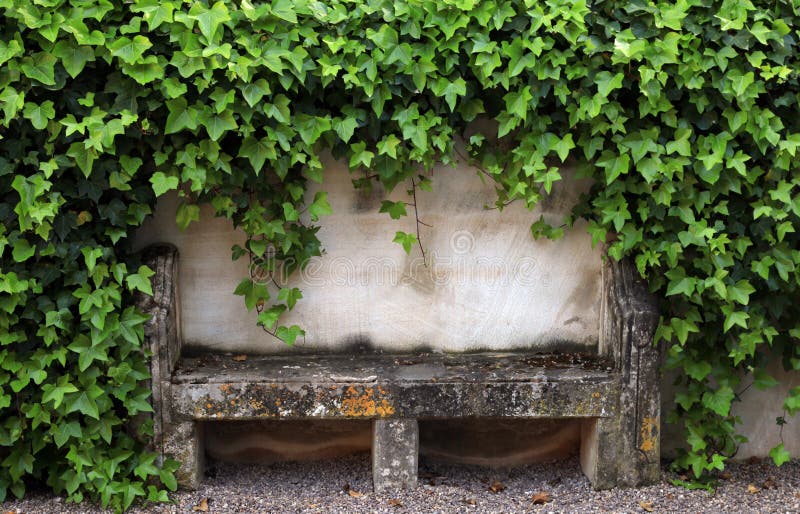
599,451
395,450
183,441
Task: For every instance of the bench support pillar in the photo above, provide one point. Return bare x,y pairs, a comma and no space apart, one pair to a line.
599,451
395,450
624,449
183,441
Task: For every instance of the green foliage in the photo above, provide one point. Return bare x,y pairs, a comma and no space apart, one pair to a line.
685,115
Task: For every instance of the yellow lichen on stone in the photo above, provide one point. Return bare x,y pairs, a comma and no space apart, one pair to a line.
364,404
649,434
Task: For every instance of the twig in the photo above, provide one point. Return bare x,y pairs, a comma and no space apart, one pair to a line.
474,163
416,216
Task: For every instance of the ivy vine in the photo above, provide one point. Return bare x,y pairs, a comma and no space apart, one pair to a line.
684,113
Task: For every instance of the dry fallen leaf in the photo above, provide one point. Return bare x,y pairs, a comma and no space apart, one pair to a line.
496,487
725,475
648,506
470,501
769,483
354,494
752,489
240,358
541,498
395,503
202,506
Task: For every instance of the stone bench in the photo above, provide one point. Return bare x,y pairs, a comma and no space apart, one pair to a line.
615,392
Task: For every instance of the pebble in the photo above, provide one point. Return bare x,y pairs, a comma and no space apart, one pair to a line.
321,486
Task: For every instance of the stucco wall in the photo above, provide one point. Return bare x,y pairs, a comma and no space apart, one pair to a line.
757,410
487,284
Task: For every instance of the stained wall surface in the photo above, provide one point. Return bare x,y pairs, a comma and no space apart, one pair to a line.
485,282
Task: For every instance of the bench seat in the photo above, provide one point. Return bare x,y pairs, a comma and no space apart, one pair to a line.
379,386
614,392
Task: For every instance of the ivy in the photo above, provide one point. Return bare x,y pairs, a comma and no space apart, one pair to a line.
684,114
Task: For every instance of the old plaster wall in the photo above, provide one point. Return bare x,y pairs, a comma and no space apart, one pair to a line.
757,410
487,283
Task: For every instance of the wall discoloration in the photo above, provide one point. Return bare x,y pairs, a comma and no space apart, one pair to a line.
488,285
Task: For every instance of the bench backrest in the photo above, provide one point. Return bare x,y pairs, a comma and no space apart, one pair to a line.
485,282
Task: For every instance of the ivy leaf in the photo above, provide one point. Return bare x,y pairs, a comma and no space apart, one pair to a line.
40,67
253,293
73,57
23,250
209,20
140,281
218,124
388,146
608,82
289,334
284,9
84,404
186,214
763,380
345,127
55,393
320,206
66,431
741,291
289,296
270,317
84,157
407,241
517,102
719,401
9,49
163,183
39,114
257,151
698,370
614,165
396,210
180,116
130,50
253,92
792,401
780,455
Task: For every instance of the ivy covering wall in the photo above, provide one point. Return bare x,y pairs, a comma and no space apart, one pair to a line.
685,113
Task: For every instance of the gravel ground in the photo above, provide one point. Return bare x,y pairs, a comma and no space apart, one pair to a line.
343,486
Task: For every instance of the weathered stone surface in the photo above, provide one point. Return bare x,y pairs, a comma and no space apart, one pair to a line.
395,450
162,335
383,386
183,441
626,450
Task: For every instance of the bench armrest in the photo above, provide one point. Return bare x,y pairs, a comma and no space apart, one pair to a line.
628,320
162,332
628,316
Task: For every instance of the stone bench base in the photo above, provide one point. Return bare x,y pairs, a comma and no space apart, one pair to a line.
615,393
